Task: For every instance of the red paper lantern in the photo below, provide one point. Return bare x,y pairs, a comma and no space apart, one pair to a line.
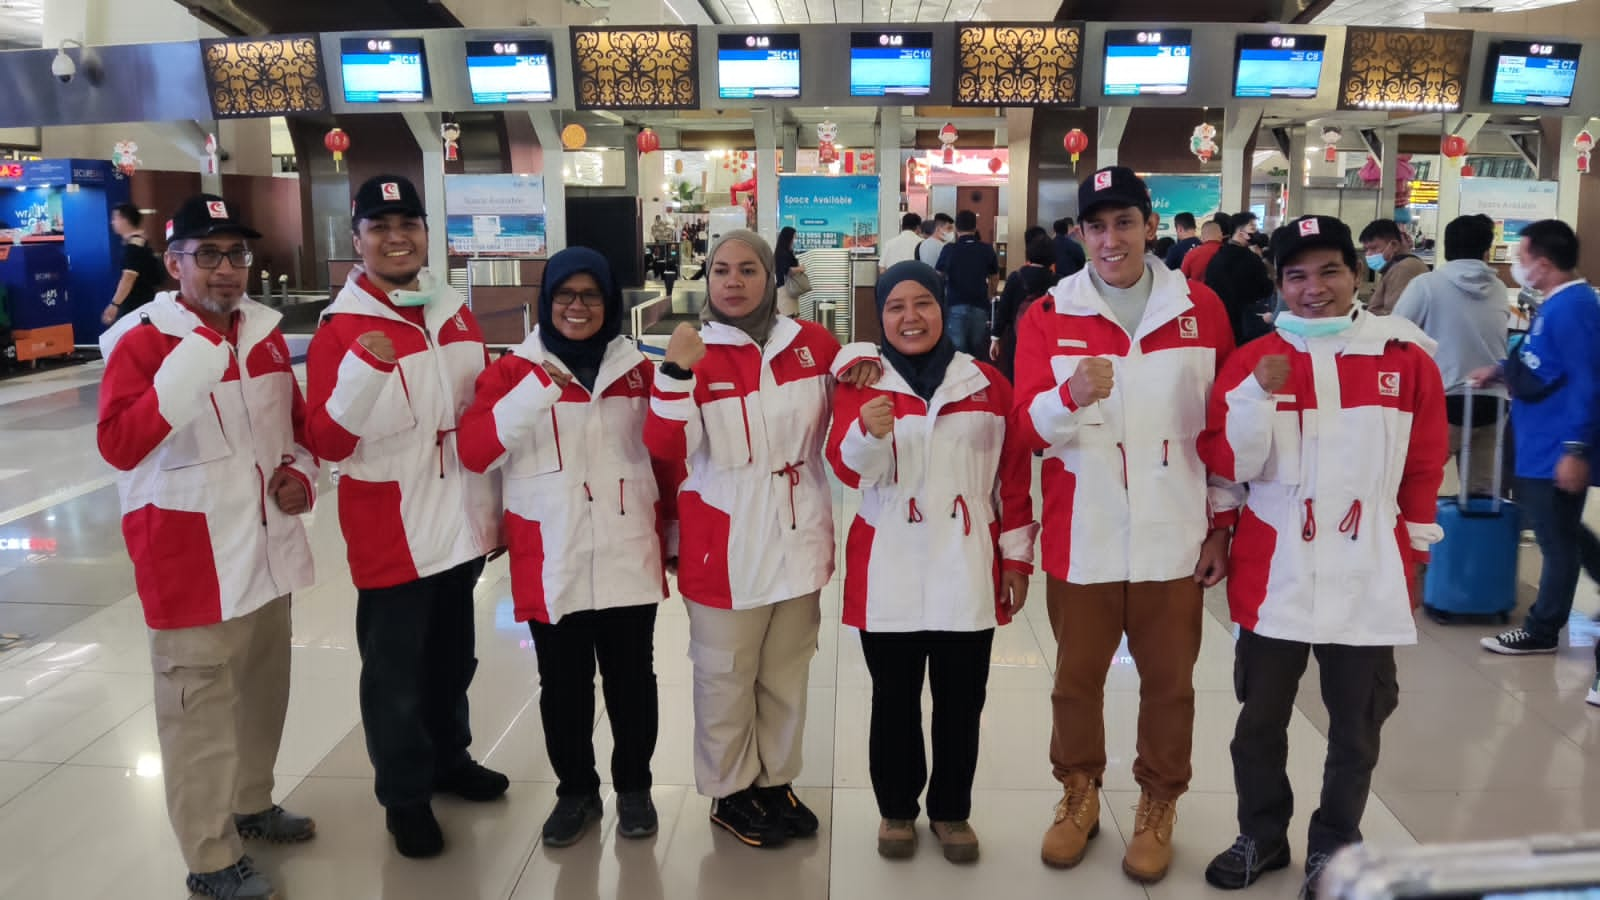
1468,171
338,143
1075,143
648,141
995,164
1453,147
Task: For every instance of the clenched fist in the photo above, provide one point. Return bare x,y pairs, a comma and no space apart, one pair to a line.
378,344
1272,372
684,348
877,416
1092,382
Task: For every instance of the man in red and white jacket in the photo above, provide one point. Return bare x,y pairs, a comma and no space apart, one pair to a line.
200,412
1336,423
1113,369
389,373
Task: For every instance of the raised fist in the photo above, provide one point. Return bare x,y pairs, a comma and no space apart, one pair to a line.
1092,382
1272,372
877,416
378,344
684,348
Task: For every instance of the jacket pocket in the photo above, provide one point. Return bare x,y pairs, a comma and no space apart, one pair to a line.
1283,460
727,431
199,442
540,452
391,413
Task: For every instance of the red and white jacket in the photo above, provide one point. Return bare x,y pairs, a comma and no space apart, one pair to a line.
756,511
1343,465
1126,497
197,427
588,517
407,506
946,501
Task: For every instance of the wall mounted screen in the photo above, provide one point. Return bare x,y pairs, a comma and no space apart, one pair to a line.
1147,62
1278,66
1530,74
510,72
891,63
758,65
383,70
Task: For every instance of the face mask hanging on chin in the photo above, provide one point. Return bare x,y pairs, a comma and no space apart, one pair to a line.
428,289
1312,328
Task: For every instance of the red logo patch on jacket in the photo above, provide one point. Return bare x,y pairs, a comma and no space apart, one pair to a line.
806,358
1188,327
1389,384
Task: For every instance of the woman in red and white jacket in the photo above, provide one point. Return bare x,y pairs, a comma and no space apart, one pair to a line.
562,418
937,557
745,401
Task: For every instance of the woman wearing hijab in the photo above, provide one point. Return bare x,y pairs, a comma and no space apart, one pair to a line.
937,557
745,400
588,518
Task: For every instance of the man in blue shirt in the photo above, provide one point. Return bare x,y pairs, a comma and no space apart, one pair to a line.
1069,253
969,267
1188,239
1554,382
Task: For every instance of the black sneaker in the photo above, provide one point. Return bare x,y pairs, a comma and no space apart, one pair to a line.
277,825
1239,866
570,819
749,819
416,832
1315,863
636,814
239,881
798,819
1518,642
473,782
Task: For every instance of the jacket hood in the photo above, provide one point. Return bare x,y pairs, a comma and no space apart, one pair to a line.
1474,277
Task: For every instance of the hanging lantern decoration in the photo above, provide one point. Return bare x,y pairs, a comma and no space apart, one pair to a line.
1584,142
996,164
124,156
1330,144
827,150
1203,142
573,136
338,143
1075,143
210,167
947,138
677,166
1468,171
450,133
1454,146
648,141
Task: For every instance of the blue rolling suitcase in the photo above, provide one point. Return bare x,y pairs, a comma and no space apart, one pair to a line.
1473,572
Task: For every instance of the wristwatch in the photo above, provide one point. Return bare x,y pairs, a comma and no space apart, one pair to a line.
1575,448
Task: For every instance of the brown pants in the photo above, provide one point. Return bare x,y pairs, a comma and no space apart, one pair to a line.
221,694
1162,621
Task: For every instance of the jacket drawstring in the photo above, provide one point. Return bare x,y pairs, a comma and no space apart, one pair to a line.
1308,529
1164,445
622,503
912,513
966,516
792,472
1352,521
1124,451
438,440
588,493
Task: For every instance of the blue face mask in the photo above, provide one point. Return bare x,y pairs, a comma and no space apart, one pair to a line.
1311,328
1376,262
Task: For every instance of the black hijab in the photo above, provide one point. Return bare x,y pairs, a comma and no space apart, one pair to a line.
925,371
583,357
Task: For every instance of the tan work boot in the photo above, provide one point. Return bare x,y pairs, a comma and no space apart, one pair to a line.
1077,820
959,841
1150,852
897,838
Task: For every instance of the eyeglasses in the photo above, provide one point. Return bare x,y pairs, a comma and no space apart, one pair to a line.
211,258
592,299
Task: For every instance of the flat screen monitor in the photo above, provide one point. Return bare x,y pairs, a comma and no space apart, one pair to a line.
1278,66
1531,74
758,65
383,70
509,72
1147,62
898,63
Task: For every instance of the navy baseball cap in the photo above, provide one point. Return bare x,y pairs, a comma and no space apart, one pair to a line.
204,215
1311,232
384,194
1116,186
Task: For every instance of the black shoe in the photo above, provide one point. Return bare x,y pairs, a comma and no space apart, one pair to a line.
1239,866
749,819
473,782
570,819
798,819
636,814
1315,863
1518,642
416,832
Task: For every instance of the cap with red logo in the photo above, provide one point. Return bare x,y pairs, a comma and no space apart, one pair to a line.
204,215
1309,232
384,194
1114,186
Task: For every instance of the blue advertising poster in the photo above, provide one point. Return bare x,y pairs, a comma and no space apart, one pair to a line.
1173,194
830,212
1513,204
494,215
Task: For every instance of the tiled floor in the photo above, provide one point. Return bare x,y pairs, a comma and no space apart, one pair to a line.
1483,746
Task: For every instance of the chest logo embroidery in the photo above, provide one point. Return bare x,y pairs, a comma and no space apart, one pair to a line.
1389,384
459,322
805,357
1188,327
635,380
981,396
277,355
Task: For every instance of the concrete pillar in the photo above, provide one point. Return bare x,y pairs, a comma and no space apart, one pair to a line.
1113,121
1022,202
120,22
1239,126
1300,150
1466,127
425,129
766,129
548,131
1389,162
791,144
1569,180
887,141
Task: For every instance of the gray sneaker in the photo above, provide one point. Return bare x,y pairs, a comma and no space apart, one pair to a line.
239,881
277,825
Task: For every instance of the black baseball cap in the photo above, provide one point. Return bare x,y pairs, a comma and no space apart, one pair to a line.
1310,232
384,194
204,215
1113,186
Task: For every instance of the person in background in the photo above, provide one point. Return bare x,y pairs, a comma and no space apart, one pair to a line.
1462,306
944,231
1554,382
969,267
198,401
1245,228
1212,234
788,266
926,592
1239,276
389,372
662,231
1161,246
142,273
1030,281
1389,259
902,246
1070,258
1183,225
1325,558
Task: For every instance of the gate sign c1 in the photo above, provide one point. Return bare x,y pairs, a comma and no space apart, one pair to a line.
829,212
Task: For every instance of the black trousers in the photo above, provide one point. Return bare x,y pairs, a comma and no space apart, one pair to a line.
417,660
957,666
622,641
1359,690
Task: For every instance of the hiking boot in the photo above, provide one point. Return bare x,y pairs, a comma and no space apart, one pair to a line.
1239,866
636,814
897,838
570,819
1518,642
798,819
1150,852
747,817
473,782
959,841
277,825
1315,863
239,881
416,832
1077,820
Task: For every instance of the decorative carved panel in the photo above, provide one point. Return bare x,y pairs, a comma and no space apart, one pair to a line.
1403,68
1018,65
264,77
625,68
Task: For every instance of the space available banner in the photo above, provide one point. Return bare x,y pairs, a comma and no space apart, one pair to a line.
830,212
1173,194
1513,204
495,215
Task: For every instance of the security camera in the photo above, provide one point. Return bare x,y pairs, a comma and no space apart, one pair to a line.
63,68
